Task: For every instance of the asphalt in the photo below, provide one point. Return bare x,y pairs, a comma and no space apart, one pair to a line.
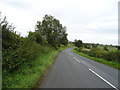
71,70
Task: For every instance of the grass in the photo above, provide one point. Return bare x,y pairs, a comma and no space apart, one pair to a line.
109,63
26,76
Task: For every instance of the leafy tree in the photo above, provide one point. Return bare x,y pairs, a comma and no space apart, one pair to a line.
17,50
36,37
9,38
78,43
63,34
52,31
87,46
94,45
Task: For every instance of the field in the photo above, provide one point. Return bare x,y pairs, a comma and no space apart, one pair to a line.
108,55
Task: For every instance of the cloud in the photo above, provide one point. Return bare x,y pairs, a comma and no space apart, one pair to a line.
87,20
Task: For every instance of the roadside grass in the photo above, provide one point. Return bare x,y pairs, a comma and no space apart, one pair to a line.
109,63
28,76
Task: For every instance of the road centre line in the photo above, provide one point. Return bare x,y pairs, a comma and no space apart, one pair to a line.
103,79
76,59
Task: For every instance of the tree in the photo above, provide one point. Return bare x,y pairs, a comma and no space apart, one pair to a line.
52,31
9,38
94,45
36,37
63,36
78,43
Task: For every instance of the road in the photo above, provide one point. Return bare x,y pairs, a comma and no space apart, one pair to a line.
74,71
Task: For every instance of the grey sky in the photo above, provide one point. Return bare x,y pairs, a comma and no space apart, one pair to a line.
92,21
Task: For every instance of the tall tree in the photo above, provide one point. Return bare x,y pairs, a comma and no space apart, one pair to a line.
52,31
78,43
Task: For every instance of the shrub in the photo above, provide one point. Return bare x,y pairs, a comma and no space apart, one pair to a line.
84,50
112,56
106,49
27,52
78,43
87,46
96,52
78,49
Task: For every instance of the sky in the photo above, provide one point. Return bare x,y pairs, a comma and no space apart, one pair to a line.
92,21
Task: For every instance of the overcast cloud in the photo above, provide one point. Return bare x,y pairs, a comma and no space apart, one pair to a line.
92,21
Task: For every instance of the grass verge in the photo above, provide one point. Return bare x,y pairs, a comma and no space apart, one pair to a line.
27,76
109,63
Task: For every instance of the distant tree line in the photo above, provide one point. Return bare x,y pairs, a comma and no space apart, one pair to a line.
95,50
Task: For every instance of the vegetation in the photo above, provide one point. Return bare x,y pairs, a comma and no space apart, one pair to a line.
105,54
78,43
28,76
51,29
26,58
113,64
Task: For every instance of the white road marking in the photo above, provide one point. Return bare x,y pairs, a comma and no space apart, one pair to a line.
104,79
76,59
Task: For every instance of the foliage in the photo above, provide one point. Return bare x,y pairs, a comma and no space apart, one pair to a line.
94,45
96,52
113,63
37,37
112,56
78,43
52,31
87,46
18,50
106,49
29,73
85,50
27,52
78,49
19,53
118,47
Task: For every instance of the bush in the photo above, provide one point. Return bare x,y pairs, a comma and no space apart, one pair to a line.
78,43
84,50
106,49
27,52
112,56
17,50
78,49
96,52
87,46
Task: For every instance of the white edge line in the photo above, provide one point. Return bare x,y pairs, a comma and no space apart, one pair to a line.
76,59
103,79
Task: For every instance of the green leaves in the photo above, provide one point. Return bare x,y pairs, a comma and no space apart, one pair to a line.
78,43
52,31
17,51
